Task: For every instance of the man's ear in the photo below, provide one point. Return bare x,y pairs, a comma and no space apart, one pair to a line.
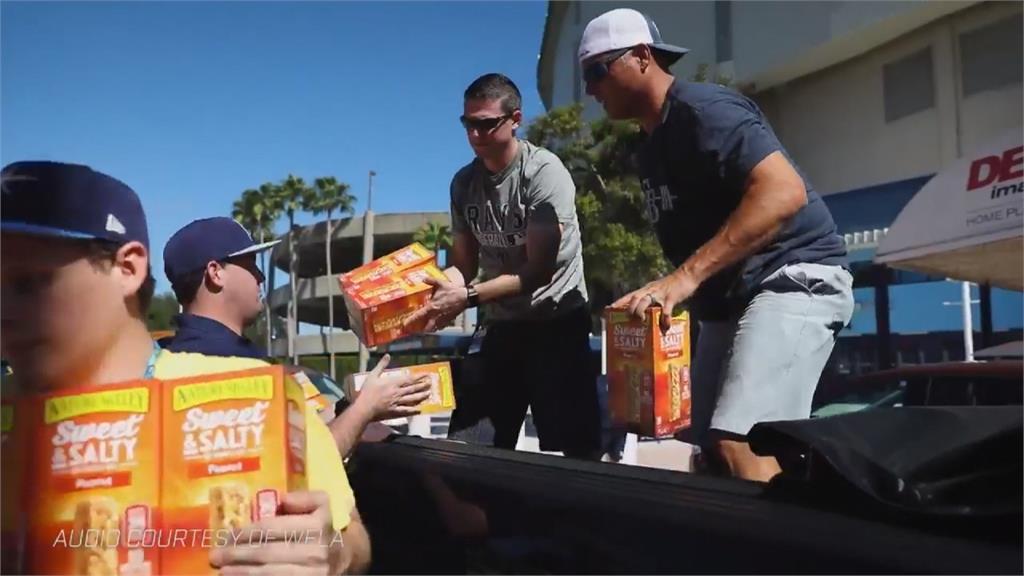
517,119
644,57
131,266
214,277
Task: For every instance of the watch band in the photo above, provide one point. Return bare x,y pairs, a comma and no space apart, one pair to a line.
472,298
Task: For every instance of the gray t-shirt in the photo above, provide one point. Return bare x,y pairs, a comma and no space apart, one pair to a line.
498,208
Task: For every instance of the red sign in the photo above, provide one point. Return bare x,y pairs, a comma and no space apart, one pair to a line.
996,169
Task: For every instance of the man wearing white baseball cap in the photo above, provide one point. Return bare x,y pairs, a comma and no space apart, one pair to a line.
758,261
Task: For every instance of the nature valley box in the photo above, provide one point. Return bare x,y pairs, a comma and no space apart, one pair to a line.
377,309
95,480
442,396
648,372
233,444
409,257
13,512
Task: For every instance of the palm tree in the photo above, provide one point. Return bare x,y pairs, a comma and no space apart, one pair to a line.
256,211
330,196
434,236
292,194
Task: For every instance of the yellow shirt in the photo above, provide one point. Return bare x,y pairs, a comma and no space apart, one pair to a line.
324,468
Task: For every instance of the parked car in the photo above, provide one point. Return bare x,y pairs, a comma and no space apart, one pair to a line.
999,383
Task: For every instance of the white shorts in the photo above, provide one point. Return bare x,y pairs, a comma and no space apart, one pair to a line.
765,364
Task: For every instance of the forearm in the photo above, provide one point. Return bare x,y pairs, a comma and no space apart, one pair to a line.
755,222
525,281
349,426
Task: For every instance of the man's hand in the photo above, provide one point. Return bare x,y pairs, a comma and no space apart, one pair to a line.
392,396
667,292
300,540
448,301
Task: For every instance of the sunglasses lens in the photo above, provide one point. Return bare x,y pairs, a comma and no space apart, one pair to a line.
595,72
480,124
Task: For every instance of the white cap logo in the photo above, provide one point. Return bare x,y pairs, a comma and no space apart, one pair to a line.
114,225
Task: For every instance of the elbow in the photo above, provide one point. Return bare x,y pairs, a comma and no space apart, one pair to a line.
538,278
794,200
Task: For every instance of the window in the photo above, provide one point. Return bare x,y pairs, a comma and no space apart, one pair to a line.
908,86
991,57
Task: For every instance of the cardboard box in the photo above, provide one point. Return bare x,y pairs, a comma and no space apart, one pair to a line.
376,309
648,372
95,476
12,505
411,256
234,443
442,395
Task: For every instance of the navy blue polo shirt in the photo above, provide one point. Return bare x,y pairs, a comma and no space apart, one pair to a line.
207,336
693,168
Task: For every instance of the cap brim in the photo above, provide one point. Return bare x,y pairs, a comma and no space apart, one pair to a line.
37,230
674,52
256,248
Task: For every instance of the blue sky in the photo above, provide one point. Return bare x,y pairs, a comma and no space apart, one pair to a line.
192,102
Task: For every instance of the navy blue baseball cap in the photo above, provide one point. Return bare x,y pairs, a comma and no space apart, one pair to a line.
69,201
203,241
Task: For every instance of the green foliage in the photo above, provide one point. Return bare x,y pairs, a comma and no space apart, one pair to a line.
435,236
620,251
162,310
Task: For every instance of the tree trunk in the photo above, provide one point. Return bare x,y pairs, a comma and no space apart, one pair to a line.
266,292
293,305
330,300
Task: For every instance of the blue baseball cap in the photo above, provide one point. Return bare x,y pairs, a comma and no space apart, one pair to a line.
203,241
69,201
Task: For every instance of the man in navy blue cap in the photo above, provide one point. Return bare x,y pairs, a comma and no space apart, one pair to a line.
75,273
76,282
211,264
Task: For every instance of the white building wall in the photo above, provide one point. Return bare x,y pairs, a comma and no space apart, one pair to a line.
770,35
985,114
833,122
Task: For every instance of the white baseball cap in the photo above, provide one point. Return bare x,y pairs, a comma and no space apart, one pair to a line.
623,28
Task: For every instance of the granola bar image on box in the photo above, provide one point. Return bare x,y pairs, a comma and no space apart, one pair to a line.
96,562
96,521
230,507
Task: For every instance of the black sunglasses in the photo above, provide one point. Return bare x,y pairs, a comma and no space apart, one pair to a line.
597,70
248,262
483,124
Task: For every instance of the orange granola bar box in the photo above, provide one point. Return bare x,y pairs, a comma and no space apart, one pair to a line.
442,395
376,309
648,372
233,444
411,256
95,474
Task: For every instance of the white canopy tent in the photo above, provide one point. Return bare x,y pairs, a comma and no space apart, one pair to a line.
966,223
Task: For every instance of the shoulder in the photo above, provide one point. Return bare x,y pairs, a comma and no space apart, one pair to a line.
698,96
537,159
186,364
462,179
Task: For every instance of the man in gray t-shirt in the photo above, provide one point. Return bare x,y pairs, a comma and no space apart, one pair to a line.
514,223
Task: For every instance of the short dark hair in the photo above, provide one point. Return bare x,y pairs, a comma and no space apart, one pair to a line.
103,252
496,86
186,288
